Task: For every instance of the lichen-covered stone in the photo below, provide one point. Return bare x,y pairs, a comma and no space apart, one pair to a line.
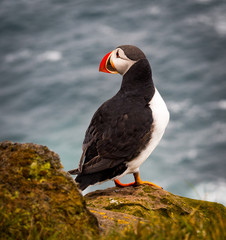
157,207
38,200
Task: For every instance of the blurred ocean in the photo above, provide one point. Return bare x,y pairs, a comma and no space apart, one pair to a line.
50,86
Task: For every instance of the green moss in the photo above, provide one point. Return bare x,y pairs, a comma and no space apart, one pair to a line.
179,227
37,199
38,170
207,225
162,214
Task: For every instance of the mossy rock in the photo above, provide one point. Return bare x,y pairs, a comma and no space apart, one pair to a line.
141,201
38,200
154,213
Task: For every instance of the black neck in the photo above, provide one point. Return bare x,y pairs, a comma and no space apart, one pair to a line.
138,81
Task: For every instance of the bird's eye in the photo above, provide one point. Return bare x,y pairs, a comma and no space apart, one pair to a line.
117,54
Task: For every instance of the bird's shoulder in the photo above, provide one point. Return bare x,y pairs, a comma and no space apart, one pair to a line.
120,113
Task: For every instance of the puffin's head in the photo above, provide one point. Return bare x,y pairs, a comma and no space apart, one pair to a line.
121,59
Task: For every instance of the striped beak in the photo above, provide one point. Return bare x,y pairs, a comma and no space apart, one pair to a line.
107,64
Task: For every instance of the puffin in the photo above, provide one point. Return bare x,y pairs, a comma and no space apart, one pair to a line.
125,129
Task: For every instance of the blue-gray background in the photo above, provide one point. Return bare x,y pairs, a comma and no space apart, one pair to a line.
50,85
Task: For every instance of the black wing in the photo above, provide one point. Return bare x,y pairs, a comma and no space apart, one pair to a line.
118,132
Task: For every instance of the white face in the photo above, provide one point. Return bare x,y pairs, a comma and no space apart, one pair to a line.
121,62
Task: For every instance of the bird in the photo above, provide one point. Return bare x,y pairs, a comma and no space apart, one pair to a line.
125,129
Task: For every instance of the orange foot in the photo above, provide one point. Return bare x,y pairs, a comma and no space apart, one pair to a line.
137,182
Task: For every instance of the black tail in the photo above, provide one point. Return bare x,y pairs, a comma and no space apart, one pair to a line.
74,171
85,180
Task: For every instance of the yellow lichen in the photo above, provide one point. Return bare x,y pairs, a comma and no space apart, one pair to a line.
101,213
120,221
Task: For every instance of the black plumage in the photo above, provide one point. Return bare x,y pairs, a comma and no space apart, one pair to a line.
120,129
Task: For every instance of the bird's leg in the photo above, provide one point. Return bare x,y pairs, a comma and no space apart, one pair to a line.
137,182
119,184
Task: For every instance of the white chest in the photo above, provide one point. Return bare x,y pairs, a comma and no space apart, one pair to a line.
160,115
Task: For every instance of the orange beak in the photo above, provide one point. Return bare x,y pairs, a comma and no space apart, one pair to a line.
107,64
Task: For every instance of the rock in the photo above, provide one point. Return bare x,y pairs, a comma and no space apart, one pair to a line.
139,201
38,200
156,212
